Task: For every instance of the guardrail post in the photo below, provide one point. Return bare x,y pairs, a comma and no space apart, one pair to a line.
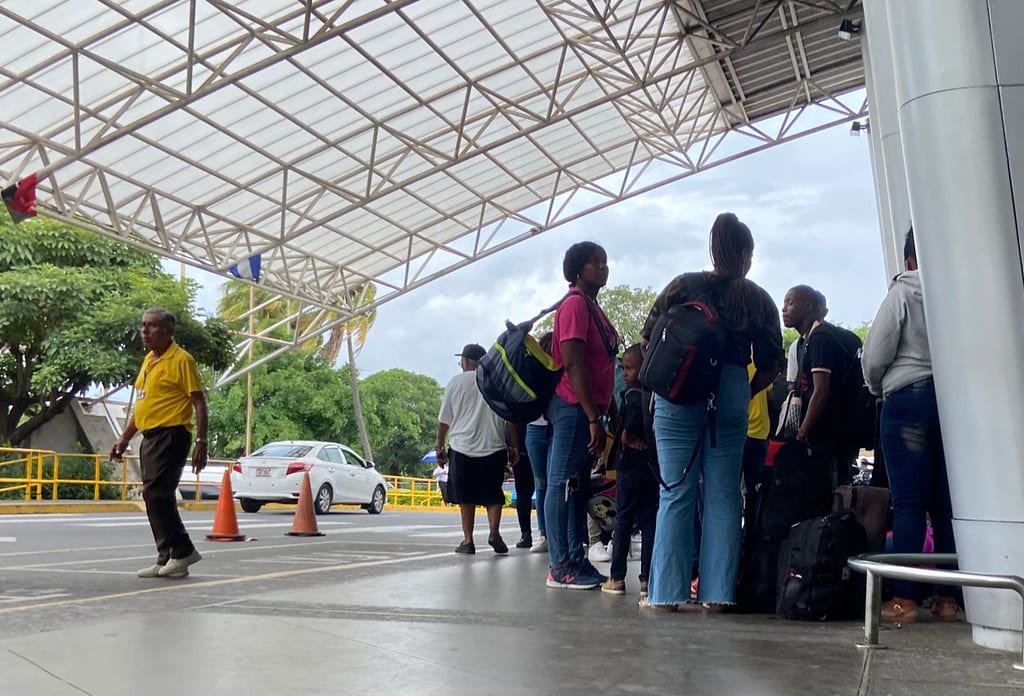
124,478
872,611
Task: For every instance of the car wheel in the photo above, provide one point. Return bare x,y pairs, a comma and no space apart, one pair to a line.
250,505
376,505
322,501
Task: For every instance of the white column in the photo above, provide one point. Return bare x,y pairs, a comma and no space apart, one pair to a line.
892,265
959,67
885,126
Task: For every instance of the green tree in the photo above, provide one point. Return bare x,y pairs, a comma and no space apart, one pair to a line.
272,315
627,309
296,396
70,304
401,409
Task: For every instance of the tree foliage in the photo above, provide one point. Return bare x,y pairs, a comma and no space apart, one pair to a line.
296,396
626,307
401,410
70,305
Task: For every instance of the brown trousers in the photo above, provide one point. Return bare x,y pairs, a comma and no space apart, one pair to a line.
162,458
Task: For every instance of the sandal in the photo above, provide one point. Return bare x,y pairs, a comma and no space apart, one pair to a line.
944,609
645,603
899,610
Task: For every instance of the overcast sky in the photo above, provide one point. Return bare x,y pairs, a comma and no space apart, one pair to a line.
810,205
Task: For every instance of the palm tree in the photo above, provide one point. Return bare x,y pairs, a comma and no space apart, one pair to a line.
353,333
274,309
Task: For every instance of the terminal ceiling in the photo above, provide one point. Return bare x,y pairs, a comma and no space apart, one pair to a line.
350,142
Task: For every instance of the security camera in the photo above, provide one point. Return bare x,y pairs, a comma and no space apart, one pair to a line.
849,29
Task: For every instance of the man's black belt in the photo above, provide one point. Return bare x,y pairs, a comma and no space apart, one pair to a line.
160,429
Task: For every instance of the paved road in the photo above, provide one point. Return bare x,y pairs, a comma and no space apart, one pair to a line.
56,566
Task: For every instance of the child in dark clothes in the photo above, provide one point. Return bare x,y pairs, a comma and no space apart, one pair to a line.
636,488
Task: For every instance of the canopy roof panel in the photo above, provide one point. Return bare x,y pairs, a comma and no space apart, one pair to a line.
348,141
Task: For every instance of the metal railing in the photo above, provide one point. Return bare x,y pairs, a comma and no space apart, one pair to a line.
36,474
899,566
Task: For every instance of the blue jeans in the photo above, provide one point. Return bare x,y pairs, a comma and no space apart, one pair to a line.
912,445
568,461
538,444
676,431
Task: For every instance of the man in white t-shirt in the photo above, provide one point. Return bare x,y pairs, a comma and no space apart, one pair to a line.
477,456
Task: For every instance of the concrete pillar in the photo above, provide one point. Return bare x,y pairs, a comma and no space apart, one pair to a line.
885,131
959,68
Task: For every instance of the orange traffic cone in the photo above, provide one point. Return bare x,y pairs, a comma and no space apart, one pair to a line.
225,522
305,520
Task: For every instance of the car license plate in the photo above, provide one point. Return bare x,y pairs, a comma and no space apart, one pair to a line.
263,472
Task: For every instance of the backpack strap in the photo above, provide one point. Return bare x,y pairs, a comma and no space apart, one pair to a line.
696,284
528,324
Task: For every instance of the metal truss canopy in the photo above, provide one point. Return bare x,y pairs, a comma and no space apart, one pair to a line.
358,141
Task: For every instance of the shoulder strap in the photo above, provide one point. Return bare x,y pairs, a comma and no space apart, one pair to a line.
610,339
528,324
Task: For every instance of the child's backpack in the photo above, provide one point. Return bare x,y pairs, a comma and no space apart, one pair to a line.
815,582
517,377
794,492
684,359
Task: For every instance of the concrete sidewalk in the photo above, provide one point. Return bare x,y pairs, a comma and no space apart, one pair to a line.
456,625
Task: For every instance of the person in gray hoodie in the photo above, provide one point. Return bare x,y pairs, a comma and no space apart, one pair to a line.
897,365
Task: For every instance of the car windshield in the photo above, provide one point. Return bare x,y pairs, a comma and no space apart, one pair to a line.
282,449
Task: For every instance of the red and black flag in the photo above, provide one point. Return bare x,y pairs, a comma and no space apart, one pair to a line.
20,198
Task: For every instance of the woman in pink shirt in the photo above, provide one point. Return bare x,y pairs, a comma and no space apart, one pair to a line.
585,344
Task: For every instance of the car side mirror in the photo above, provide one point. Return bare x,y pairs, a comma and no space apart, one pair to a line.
369,465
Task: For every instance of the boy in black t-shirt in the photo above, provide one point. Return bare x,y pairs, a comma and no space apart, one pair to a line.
829,352
636,488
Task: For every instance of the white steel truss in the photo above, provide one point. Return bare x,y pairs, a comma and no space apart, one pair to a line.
390,142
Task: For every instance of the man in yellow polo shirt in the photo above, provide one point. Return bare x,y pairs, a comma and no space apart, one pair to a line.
167,391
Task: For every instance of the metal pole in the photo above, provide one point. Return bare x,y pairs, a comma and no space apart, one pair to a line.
248,377
872,610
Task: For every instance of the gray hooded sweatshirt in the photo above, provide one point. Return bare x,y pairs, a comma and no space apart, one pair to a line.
896,352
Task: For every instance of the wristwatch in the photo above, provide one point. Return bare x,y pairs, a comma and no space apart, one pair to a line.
200,441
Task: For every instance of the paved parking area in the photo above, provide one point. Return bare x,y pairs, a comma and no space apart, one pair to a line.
382,605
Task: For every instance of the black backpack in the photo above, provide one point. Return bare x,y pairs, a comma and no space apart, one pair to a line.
815,583
794,492
684,359
861,407
516,376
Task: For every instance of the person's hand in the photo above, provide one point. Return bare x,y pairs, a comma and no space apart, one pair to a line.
598,437
442,456
199,457
513,455
117,451
801,435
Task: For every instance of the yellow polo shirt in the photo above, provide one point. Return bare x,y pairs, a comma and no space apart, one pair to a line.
758,423
164,387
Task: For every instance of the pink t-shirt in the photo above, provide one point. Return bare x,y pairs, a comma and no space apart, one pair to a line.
574,321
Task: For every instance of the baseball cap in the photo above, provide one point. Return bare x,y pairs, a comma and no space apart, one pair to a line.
472,351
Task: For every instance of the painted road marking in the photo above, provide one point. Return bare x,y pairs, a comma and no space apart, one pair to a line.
8,540
174,587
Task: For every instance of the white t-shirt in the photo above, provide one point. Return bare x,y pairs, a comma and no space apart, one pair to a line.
441,473
792,364
473,428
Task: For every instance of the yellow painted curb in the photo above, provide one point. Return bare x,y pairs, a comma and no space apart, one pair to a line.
70,507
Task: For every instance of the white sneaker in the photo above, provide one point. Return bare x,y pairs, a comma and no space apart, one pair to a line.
599,553
152,571
178,567
541,546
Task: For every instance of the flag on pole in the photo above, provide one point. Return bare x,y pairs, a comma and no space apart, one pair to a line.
248,269
20,198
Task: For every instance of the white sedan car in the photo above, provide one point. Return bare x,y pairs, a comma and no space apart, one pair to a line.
274,472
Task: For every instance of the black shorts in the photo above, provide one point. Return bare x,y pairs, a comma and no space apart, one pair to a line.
476,480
